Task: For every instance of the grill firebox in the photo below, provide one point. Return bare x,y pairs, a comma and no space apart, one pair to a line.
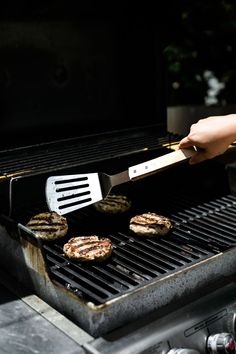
138,261
143,274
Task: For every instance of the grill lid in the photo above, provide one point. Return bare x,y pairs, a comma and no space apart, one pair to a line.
69,72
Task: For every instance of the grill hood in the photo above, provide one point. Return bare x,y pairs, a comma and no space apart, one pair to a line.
67,72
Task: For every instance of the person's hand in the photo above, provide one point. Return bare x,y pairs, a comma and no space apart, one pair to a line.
211,137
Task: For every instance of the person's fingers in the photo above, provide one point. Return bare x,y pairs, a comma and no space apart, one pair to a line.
185,142
197,158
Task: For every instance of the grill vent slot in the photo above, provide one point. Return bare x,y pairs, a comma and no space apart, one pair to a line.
74,152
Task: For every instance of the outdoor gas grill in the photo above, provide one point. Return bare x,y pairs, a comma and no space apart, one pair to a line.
84,92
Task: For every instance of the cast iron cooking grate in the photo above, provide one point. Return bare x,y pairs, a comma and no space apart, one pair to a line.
200,231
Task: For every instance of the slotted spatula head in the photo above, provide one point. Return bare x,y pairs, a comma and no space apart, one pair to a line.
71,192
65,194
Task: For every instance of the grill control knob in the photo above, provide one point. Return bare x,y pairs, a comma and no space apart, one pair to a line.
183,351
230,322
221,343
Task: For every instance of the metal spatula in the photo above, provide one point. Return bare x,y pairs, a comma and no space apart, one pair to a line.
70,192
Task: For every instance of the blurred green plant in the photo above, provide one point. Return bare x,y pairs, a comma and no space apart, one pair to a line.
200,53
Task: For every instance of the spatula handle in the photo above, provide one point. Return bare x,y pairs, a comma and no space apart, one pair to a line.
149,167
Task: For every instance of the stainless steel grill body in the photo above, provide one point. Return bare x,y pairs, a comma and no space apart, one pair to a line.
143,275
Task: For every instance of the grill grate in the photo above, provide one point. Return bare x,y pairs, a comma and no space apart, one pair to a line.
74,152
200,231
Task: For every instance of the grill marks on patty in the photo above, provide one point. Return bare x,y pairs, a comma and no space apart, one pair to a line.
88,248
150,224
48,225
113,204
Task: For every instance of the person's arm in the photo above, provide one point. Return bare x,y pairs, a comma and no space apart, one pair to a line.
211,135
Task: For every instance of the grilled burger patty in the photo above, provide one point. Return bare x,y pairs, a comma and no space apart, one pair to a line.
88,248
48,225
113,204
150,224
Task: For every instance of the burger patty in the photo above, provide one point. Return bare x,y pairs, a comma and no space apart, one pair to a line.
88,248
113,204
48,225
150,224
